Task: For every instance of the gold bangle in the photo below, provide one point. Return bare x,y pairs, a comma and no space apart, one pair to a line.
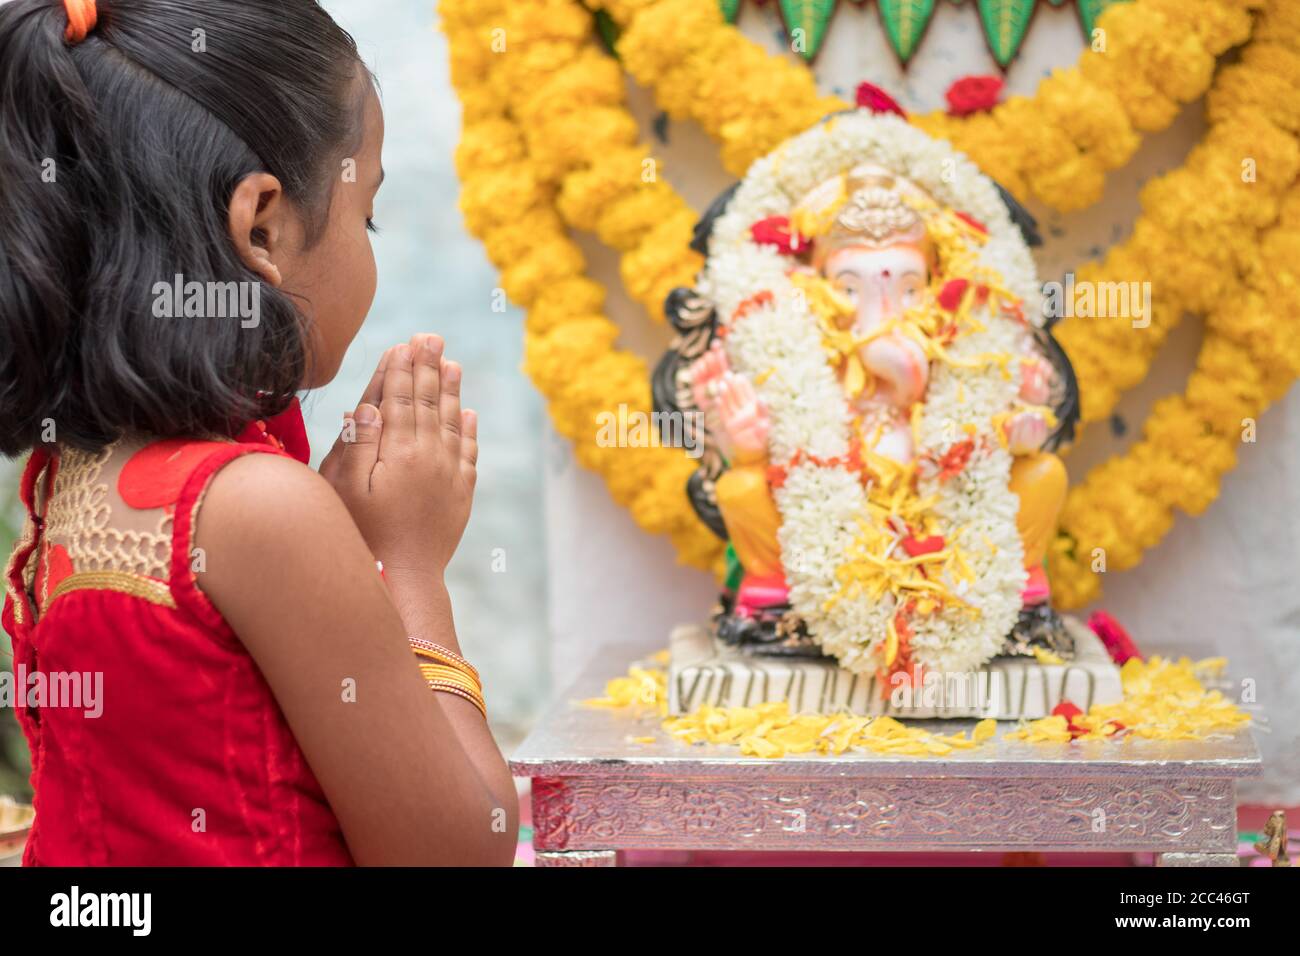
462,687
451,683
437,652
465,669
420,644
467,688
478,704
439,687
443,672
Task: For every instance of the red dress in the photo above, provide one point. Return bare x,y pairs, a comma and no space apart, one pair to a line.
190,761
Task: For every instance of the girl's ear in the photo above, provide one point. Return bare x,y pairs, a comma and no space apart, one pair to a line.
257,223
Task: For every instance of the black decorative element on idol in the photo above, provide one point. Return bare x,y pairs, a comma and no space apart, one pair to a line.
765,632
1038,627
1065,390
693,316
768,632
1020,216
704,228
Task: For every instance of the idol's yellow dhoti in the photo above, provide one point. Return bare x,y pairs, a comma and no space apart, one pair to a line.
1040,482
745,500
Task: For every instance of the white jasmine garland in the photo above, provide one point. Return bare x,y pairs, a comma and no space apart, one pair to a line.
778,346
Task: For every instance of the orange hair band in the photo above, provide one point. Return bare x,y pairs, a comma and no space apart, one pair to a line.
82,15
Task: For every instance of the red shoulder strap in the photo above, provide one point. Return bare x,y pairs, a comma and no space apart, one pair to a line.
184,577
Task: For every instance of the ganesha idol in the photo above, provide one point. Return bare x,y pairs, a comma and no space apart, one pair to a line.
880,407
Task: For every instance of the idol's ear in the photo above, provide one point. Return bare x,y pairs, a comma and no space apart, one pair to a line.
1026,223
694,319
704,228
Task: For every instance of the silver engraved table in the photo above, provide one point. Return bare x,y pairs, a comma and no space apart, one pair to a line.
596,790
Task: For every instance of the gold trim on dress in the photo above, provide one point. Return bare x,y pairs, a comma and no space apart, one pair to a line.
25,540
123,582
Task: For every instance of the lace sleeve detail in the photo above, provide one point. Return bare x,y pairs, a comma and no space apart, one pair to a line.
81,518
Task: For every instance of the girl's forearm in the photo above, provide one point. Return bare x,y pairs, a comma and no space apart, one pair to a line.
425,607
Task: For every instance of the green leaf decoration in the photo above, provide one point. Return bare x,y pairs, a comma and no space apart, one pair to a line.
729,9
905,23
608,31
1089,11
735,570
811,19
1005,23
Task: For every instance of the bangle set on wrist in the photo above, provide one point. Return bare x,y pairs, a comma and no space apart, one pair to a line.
448,673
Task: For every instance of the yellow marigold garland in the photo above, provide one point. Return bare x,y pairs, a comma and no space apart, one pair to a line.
547,138
1243,276
1057,144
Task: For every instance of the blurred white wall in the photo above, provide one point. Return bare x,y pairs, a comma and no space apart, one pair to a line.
433,277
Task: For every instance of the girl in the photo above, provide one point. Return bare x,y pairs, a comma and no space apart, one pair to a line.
185,192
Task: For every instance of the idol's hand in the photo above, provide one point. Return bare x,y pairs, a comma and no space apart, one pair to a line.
745,422
408,470
1026,432
1036,376
706,375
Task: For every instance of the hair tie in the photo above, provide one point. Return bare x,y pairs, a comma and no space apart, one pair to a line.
82,15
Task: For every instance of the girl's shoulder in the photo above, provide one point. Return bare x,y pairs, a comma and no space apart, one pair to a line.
249,523
285,566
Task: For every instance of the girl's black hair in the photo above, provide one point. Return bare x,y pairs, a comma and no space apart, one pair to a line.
118,159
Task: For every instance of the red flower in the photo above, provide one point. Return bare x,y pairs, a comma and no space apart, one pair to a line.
955,458
1118,644
972,222
950,295
1067,710
776,231
877,100
973,94
854,458
755,301
915,546
1071,713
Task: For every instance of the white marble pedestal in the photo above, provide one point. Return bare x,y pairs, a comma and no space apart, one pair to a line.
705,671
